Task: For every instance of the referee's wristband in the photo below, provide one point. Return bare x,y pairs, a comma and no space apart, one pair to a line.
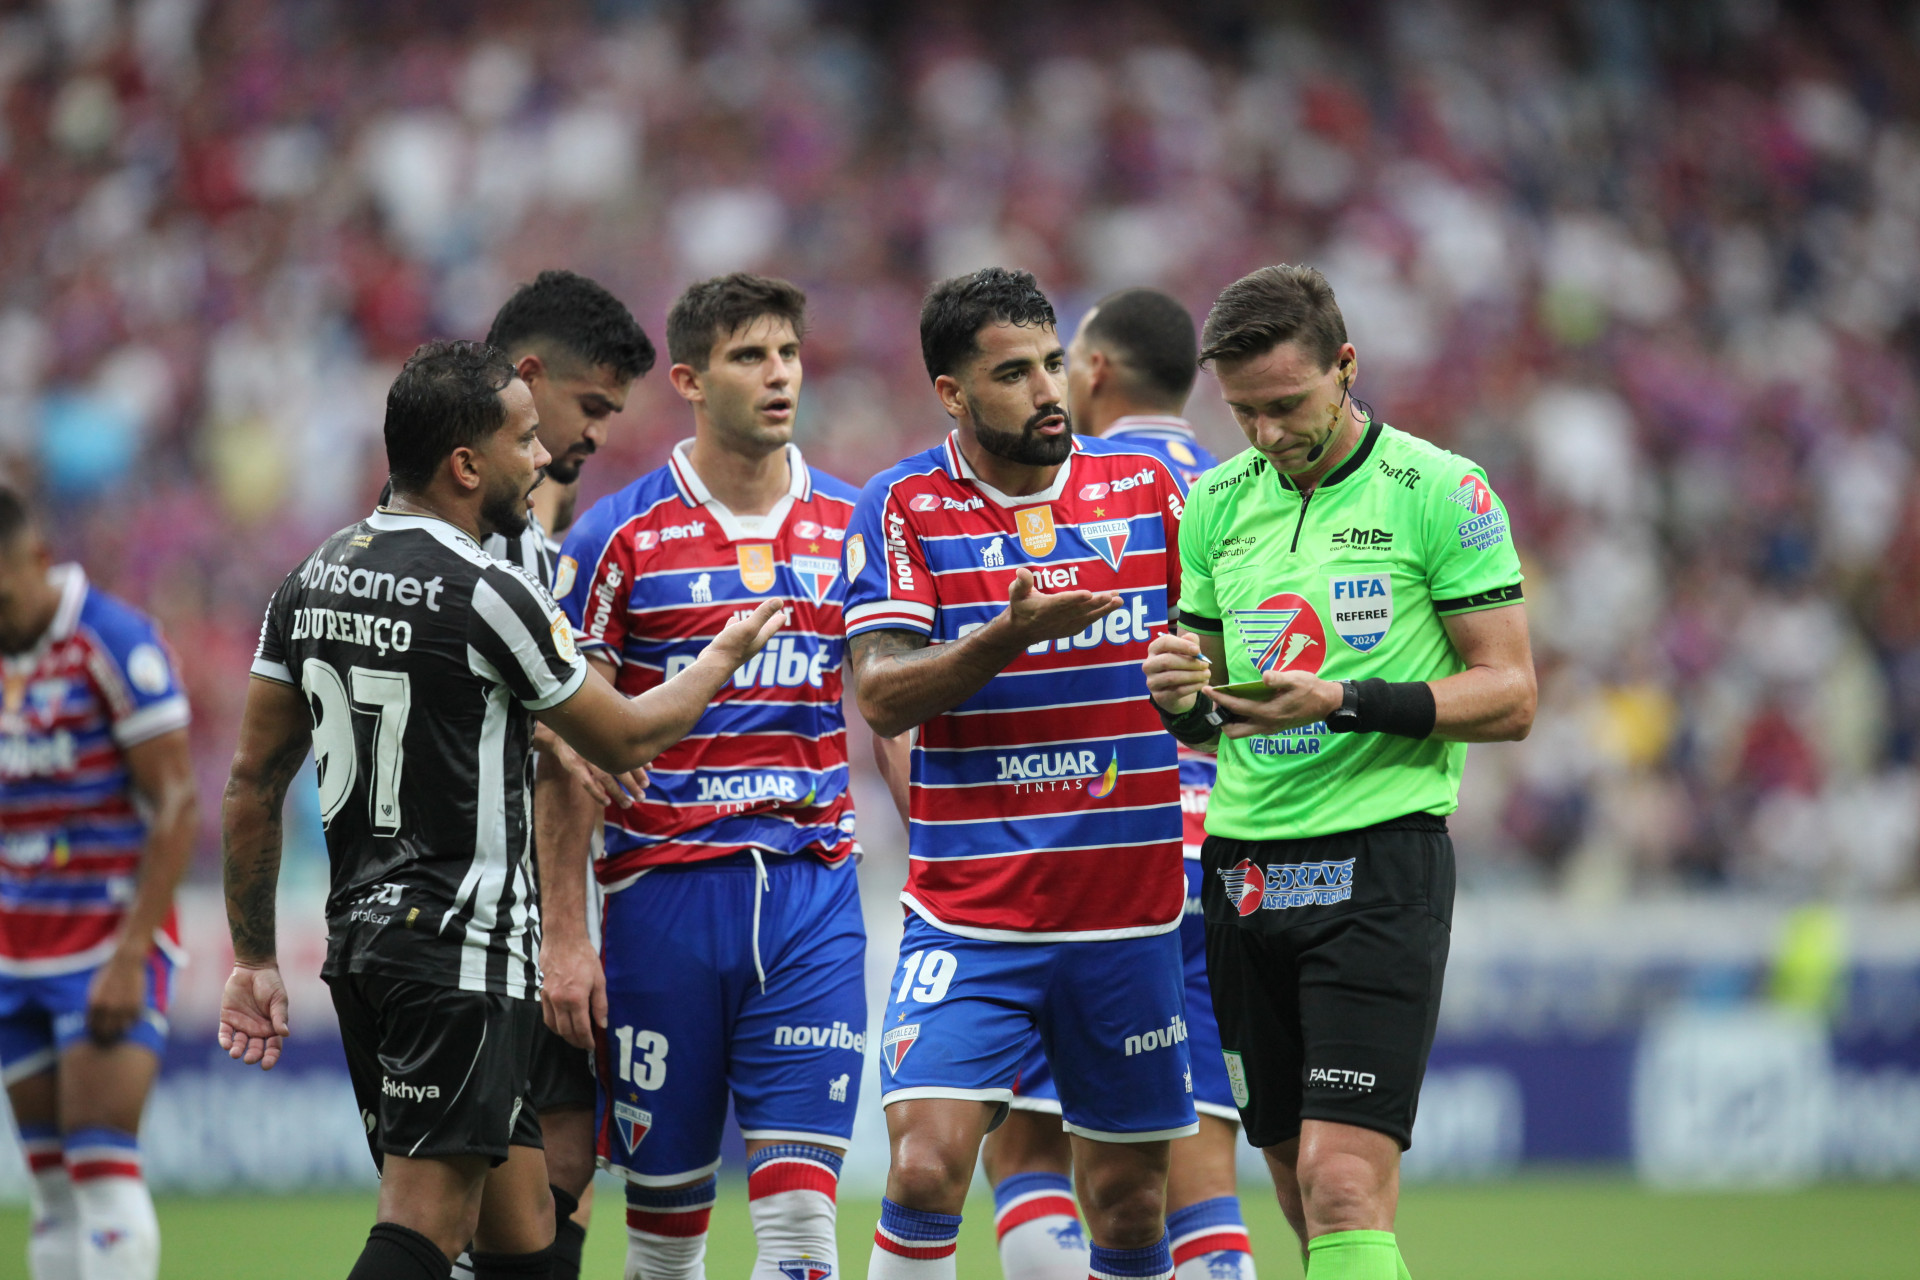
1197,725
1403,707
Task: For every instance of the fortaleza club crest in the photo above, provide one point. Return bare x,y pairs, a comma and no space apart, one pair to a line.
1108,538
816,574
1283,634
895,1043
1035,527
756,566
632,1122
805,1268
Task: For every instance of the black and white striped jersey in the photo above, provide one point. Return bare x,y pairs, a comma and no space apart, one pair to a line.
421,658
534,550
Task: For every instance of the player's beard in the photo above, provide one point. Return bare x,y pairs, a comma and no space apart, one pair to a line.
566,469
1025,446
505,512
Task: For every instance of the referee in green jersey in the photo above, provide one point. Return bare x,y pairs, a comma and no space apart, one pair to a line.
1350,618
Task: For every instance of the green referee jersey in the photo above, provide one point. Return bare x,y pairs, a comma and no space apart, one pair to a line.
1350,581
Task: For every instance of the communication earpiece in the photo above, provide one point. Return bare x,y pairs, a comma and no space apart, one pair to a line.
1346,381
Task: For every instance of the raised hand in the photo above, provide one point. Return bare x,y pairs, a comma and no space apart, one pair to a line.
743,638
253,1015
1176,671
1043,615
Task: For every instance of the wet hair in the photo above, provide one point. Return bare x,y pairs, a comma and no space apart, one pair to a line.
957,309
447,397
1152,335
1284,303
578,317
712,309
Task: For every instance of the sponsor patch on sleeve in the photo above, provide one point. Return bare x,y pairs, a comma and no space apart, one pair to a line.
1477,533
563,637
563,575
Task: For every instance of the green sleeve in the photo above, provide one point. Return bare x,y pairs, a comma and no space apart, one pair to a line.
1471,560
1199,610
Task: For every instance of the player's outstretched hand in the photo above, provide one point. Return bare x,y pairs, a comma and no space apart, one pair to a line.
1293,698
116,997
253,1015
744,637
1054,615
573,990
1176,671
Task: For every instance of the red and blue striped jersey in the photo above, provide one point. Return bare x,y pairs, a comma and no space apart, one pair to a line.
648,576
1045,806
1173,439
101,680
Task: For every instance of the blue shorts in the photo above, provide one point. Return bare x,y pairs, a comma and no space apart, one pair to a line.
1108,1014
1033,1086
41,1018
689,1022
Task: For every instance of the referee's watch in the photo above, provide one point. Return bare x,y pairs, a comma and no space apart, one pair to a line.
1347,718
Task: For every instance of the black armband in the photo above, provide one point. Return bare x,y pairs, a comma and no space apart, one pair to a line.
1403,707
1197,725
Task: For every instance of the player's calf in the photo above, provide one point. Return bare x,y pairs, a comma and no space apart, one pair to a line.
790,1197
119,1236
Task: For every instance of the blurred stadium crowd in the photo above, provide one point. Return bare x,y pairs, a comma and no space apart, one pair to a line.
1655,265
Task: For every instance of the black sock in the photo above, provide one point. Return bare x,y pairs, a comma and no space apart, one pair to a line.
395,1252
512,1266
569,1237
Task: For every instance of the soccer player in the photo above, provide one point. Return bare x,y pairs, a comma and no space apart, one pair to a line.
579,351
97,815
1000,586
734,945
1130,369
413,664
1351,600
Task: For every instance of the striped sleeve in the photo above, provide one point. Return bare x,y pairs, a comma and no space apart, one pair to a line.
517,636
889,586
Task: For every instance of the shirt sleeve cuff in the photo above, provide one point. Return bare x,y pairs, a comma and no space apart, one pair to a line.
890,615
565,691
1480,600
268,669
151,721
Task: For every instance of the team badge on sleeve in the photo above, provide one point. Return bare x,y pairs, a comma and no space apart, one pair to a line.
895,1043
1362,607
756,567
633,1123
563,575
1108,538
1283,634
856,556
1036,529
816,574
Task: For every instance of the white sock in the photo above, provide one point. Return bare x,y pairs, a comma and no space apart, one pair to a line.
912,1245
53,1241
1039,1228
790,1196
1209,1241
667,1231
119,1234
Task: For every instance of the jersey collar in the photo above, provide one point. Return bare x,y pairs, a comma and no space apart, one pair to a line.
445,532
694,492
957,467
1355,460
1149,422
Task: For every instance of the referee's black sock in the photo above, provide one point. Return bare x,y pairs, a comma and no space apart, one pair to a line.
395,1252
537,1265
569,1237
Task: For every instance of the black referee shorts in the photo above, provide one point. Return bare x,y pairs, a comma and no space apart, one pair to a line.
437,1071
1325,958
562,1076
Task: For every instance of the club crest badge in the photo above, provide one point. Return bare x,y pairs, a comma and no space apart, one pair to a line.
1035,526
895,1043
816,574
1283,634
805,1268
1108,538
633,1123
756,567
564,571
1362,605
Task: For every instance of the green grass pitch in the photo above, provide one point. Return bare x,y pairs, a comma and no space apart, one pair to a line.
1544,1228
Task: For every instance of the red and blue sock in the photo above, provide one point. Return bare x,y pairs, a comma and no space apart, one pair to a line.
1209,1241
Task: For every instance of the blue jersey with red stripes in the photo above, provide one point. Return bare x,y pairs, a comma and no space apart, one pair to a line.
1046,805
649,576
100,681
1173,439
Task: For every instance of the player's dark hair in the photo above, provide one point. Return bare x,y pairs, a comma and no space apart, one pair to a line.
447,397
712,309
577,316
1152,335
956,310
16,517
1258,312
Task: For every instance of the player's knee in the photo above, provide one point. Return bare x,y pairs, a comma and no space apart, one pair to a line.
929,1177
1340,1191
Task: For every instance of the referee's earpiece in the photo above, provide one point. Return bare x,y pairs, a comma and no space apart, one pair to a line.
1346,380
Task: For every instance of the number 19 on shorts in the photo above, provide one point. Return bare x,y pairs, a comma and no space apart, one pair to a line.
926,975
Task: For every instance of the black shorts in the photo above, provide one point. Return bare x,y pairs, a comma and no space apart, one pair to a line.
437,1071
1325,958
562,1077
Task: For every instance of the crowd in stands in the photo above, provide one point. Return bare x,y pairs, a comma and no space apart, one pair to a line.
1655,266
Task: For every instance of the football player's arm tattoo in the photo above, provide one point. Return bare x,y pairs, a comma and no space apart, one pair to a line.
901,680
274,737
